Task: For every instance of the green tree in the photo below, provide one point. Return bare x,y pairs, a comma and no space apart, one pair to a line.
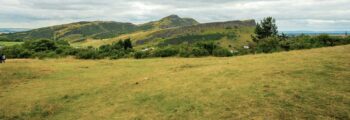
266,28
127,44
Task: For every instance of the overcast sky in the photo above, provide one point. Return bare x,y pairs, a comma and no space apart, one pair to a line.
317,15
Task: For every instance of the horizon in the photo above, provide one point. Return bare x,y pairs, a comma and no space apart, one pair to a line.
311,15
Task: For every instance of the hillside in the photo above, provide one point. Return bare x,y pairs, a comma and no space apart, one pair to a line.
304,84
228,34
75,32
229,31
170,30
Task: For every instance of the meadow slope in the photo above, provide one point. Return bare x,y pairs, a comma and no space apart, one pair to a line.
305,84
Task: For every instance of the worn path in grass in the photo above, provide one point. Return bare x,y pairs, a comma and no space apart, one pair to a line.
305,84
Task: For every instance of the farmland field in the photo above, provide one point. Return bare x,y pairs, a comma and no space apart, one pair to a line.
304,84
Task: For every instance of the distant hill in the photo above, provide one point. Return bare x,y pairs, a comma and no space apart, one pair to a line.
170,30
96,30
230,34
12,30
315,32
75,31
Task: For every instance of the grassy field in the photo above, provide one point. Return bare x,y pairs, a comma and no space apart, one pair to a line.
9,43
306,84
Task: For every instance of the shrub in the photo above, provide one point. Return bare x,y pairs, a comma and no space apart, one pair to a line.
117,54
221,52
25,54
141,54
65,50
46,54
199,52
166,52
105,48
269,44
209,46
88,54
16,51
326,40
184,53
302,42
40,45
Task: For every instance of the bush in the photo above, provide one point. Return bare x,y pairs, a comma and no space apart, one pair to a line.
326,40
16,51
88,54
269,44
65,50
117,55
221,52
46,54
166,52
302,42
209,46
105,48
25,54
199,52
184,53
141,54
40,45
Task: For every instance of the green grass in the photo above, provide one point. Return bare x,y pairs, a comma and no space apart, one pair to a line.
305,84
9,43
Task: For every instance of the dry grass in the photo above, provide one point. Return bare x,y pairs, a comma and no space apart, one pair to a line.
306,84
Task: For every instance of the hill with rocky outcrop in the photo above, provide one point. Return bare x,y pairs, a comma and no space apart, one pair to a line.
170,30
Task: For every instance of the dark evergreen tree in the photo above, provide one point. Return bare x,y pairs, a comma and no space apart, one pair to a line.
127,44
266,28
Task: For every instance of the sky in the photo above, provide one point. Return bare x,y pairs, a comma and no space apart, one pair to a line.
291,15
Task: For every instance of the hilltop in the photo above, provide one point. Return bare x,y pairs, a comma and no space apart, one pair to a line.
170,22
303,84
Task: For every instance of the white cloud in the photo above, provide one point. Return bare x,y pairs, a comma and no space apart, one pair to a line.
290,14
